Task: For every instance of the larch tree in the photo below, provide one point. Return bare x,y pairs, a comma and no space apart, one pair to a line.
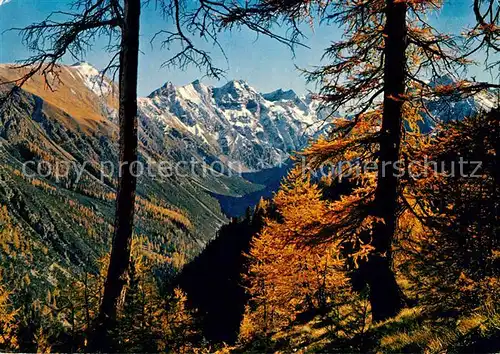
69,35
454,201
287,279
382,73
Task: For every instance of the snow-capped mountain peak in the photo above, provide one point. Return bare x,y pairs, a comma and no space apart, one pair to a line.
279,95
85,68
234,121
167,89
234,94
93,78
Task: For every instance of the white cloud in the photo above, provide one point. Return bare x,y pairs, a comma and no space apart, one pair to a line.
3,2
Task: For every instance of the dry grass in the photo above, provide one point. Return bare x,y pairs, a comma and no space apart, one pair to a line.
69,95
414,330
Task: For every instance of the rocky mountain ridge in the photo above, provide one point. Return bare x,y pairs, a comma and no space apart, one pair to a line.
248,131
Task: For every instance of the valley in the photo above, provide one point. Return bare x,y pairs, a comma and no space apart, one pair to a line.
226,146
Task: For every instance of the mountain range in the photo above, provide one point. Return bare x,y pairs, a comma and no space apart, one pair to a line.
59,155
228,146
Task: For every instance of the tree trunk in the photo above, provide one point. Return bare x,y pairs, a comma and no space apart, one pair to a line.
125,198
385,295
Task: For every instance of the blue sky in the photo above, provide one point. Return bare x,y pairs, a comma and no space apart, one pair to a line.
262,62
